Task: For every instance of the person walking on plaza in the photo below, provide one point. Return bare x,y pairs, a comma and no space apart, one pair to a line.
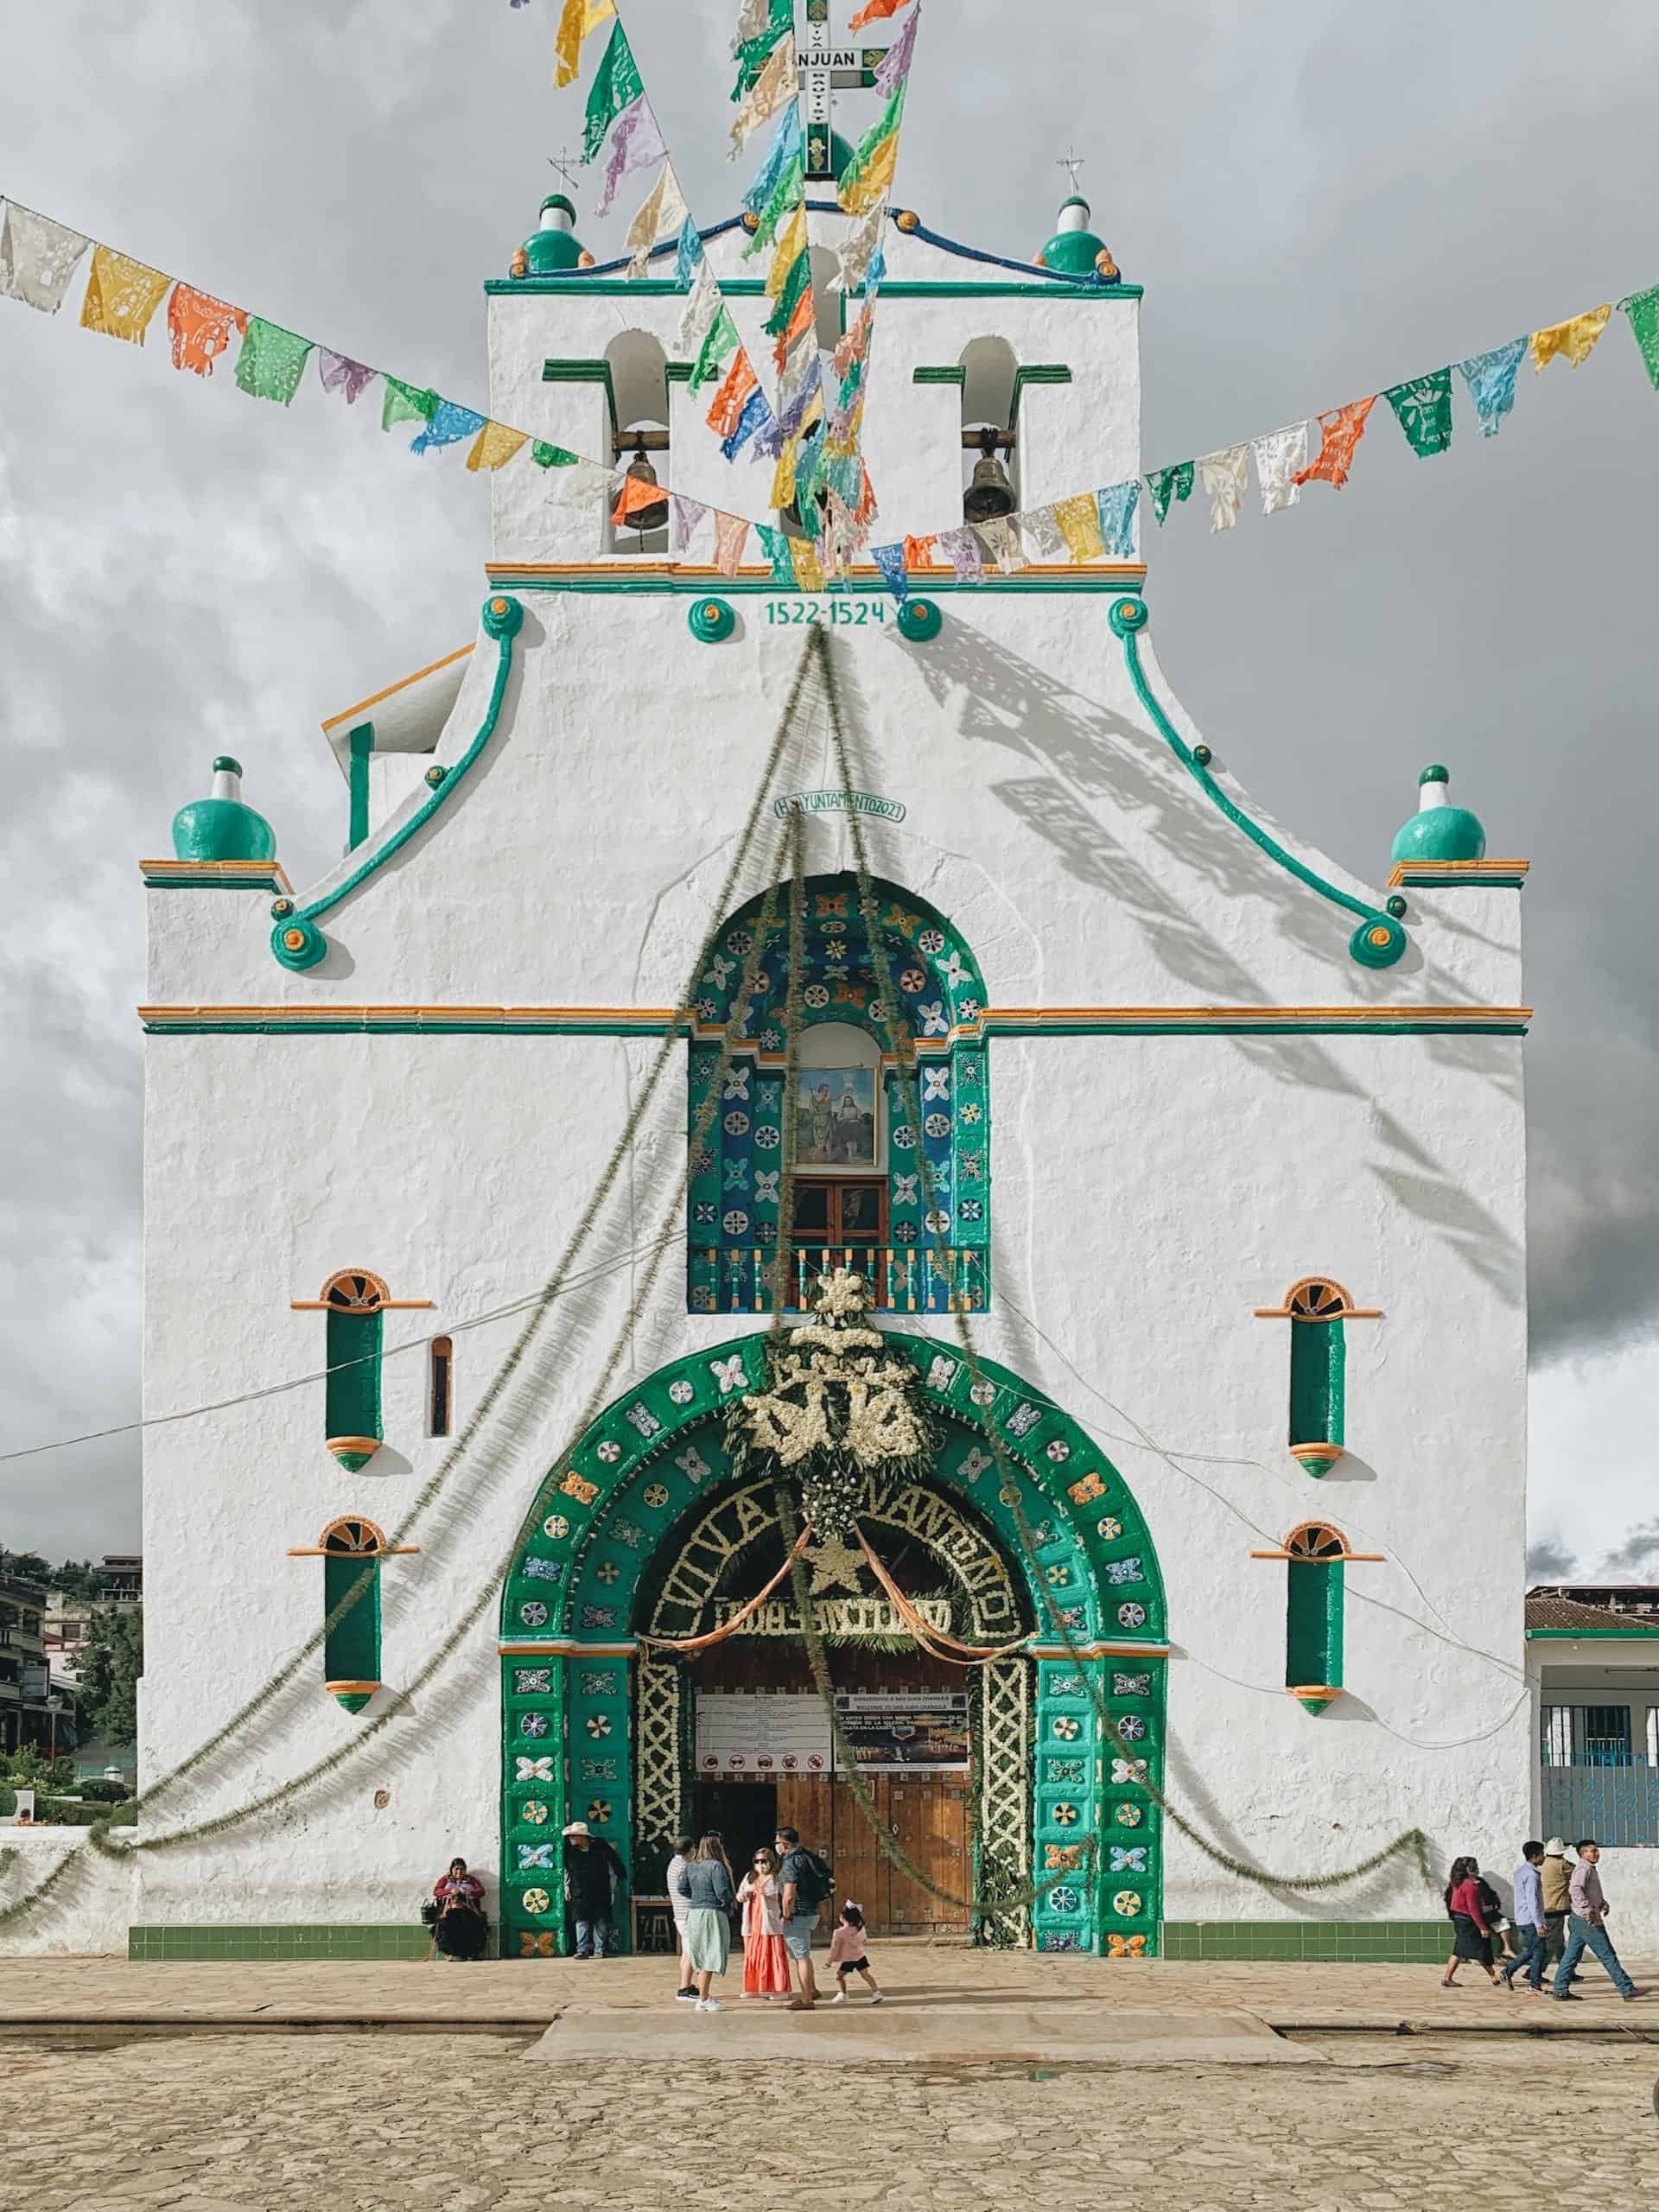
848,1953
1531,1932
1555,1878
803,1882
1584,1931
593,1875
686,1993
1465,1908
765,1959
705,1883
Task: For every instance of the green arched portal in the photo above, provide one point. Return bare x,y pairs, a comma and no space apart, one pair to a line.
594,1724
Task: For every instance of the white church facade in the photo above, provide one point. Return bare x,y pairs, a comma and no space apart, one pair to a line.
1213,1151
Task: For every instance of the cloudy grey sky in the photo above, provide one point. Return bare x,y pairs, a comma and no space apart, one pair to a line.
1320,200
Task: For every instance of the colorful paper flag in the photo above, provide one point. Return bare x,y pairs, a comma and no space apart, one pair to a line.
730,532
964,553
790,250
774,86
854,256
703,304
1079,522
1280,456
800,322
868,176
662,210
809,568
633,495
778,182
37,258
755,412
890,559
121,295
447,425
1574,339
688,255
918,553
795,284
1115,506
1490,378
1174,483
550,456
1423,409
874,11
1225,476
615,87
636,143
776,547
1001,545
200,326
894,66
726,406
721,340
339,373
405,403
685,519
752,47
1642,309
1041,536
495,446
578,19
1341,429
272,361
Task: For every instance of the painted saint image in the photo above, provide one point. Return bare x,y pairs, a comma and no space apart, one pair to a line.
836,1121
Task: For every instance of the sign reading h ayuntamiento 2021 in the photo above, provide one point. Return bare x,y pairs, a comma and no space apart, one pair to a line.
890,810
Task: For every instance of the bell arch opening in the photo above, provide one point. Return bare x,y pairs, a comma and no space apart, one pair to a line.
651,1533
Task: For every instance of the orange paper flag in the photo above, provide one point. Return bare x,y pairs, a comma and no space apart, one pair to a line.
201,327
875,11
799,324
918,553
1340,430
727,405
636,494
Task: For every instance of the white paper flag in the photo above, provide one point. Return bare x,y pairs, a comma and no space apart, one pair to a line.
701,306
1225,477
583,479
37,258
1280,456
1001,546
754,18
772,89
660,215
855,256
1042,537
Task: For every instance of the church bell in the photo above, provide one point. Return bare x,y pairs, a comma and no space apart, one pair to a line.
990,494
654,517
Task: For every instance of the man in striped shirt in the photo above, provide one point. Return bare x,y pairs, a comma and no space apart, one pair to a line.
1584,1931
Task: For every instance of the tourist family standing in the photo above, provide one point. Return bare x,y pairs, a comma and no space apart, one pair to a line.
1586,1911
765,1959
705,1882
593,1875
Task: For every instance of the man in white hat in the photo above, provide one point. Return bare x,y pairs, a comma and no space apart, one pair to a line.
593,1875
1555,1883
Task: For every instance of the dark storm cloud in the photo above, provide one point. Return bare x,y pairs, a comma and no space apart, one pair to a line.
1319,200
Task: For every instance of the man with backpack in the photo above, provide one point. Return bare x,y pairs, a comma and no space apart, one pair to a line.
803,1882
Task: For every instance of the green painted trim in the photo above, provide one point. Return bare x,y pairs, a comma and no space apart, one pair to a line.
165,877
1128,618
570,1026
173,1942
1428,878
361,741
679,372
858,588
1348,1943
557,371
958,375
502,619
1588,1635
1036,373
1057,289
621,287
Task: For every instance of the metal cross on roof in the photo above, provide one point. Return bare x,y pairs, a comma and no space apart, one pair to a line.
824,70
562,162
1070,162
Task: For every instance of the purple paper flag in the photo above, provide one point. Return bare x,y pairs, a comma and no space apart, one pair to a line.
687,514
894,65
339,374
966,554
890,559
636,142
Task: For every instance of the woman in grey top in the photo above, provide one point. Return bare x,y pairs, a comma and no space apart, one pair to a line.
705,1882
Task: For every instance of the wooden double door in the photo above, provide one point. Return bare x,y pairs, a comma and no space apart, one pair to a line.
926,1815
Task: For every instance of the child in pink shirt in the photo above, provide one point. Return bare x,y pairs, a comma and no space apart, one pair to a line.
848,1953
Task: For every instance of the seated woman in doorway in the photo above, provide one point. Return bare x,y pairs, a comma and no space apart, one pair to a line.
765,1959
706,1885
461,1931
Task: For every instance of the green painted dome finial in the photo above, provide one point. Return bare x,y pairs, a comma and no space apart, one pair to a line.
553,247
222,827
1439,830
1075,250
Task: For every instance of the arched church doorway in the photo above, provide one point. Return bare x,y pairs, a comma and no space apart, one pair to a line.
650,1532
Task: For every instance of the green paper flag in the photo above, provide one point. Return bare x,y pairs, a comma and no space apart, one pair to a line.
796,285
777,549
406,403
616,87
1167,484
791,185
271,362
547,456
1642,309
1423,408
720,341
753,54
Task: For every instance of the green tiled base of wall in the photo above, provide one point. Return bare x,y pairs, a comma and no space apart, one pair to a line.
1353,1943
338,1940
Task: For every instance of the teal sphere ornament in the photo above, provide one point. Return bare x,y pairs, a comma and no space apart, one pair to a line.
221,827
1397,907
1378,942
503,617
920,619
710,620
299,944
1439,830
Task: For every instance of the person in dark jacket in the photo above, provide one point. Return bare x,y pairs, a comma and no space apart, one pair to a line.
593,1877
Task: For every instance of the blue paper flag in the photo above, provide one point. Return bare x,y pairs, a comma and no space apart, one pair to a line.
755,411
1115,504
448,425
785,145
1490,379
890,559
690,252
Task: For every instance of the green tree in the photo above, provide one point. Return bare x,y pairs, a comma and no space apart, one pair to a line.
30,1768
112,1662
77,1578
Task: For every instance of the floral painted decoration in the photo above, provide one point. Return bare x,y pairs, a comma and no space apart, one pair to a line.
533,1613
557,1527
1131,1615
537,1901
534,1811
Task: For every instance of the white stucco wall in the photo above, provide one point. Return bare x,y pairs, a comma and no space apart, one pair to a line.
90,1910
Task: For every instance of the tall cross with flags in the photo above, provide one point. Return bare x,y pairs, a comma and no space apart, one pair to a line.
826,69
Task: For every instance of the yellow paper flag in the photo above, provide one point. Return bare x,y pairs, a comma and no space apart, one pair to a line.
1574,339
121,295
494,446
875,180
809,569
1080,522
579,17
790,247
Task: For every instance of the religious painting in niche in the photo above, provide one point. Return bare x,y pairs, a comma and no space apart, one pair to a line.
835,1124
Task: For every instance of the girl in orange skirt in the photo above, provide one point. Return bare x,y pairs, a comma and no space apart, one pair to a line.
766,1962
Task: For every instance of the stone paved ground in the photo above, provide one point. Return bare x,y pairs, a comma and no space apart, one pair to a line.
387,2122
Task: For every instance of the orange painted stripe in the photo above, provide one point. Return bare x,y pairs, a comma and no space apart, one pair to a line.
402,685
